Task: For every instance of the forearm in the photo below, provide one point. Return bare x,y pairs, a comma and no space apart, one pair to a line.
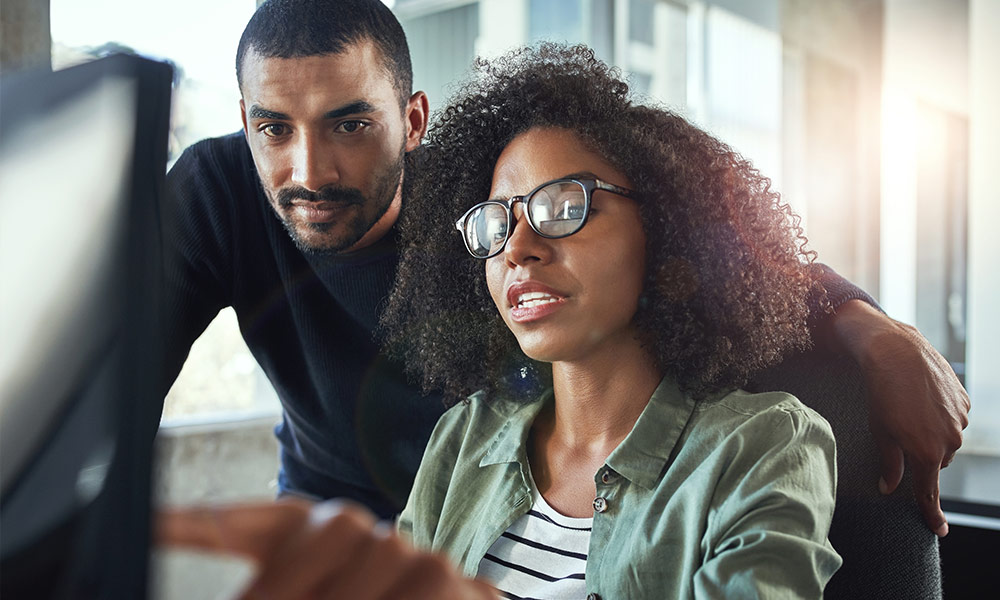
861,330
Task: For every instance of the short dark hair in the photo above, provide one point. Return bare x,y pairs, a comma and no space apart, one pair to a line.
298,28
726,283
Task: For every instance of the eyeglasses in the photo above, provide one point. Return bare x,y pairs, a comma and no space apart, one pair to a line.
555,209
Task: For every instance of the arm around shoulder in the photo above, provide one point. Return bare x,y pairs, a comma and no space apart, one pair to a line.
917,405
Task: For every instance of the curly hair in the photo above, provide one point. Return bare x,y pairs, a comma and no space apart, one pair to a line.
726,282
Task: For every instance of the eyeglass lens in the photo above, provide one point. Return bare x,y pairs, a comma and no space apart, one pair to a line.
556,210
486,229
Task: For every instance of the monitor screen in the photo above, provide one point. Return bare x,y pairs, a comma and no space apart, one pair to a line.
82,160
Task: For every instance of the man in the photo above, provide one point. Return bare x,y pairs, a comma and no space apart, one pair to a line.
291,222
322,150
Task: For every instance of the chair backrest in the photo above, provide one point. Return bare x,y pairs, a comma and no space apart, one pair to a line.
888,552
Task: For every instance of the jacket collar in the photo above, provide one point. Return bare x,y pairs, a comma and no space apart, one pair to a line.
510,443
642,456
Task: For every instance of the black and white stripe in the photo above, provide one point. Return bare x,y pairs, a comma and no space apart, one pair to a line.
543,554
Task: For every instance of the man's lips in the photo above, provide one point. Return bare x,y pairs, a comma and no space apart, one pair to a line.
530,300
319,212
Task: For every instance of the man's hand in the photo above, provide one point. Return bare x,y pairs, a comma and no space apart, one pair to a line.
916,404
327,550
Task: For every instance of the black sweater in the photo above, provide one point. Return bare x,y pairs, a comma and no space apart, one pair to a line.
351,425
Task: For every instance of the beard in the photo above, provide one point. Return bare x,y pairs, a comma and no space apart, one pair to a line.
359,212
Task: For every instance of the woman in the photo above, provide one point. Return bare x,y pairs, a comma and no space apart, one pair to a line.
722,289
637,271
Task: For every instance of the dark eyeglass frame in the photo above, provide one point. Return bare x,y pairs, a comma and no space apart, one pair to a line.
588,185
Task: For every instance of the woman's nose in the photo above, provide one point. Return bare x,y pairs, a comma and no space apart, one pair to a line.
523,244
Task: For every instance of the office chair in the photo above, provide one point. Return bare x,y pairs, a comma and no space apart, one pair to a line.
887,549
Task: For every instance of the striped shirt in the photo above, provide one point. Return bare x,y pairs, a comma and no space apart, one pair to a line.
542,555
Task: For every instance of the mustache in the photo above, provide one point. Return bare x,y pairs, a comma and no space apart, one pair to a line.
330,193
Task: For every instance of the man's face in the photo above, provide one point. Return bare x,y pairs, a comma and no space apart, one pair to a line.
328,136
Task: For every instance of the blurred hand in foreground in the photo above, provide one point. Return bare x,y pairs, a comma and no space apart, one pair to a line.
328,550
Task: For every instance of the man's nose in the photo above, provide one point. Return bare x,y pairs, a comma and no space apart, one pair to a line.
314,164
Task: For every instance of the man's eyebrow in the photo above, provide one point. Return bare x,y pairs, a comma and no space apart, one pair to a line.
256,112
359,106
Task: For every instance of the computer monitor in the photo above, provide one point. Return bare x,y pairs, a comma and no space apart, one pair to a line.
82,159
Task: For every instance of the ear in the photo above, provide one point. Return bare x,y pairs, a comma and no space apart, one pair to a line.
416,114
243,117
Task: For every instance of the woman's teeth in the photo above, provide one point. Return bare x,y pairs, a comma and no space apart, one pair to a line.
535,299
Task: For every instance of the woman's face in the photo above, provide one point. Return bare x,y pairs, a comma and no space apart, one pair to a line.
571,298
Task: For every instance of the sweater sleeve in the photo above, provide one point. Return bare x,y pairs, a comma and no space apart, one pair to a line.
197,215
834,291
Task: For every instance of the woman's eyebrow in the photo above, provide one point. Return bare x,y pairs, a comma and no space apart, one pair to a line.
580,175
574,175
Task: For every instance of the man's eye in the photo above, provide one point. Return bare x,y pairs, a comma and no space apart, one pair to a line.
274,129
351,126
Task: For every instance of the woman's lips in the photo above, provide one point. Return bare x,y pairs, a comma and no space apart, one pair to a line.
530,301
525,314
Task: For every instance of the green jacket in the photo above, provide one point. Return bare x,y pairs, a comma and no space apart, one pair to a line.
723,498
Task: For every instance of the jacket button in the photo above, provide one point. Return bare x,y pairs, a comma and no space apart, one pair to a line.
608,476
593,597
600,504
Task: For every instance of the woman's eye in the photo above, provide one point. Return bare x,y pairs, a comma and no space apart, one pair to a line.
570,211
352,126
274,129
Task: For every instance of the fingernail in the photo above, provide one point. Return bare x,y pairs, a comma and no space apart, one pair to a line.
883,486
